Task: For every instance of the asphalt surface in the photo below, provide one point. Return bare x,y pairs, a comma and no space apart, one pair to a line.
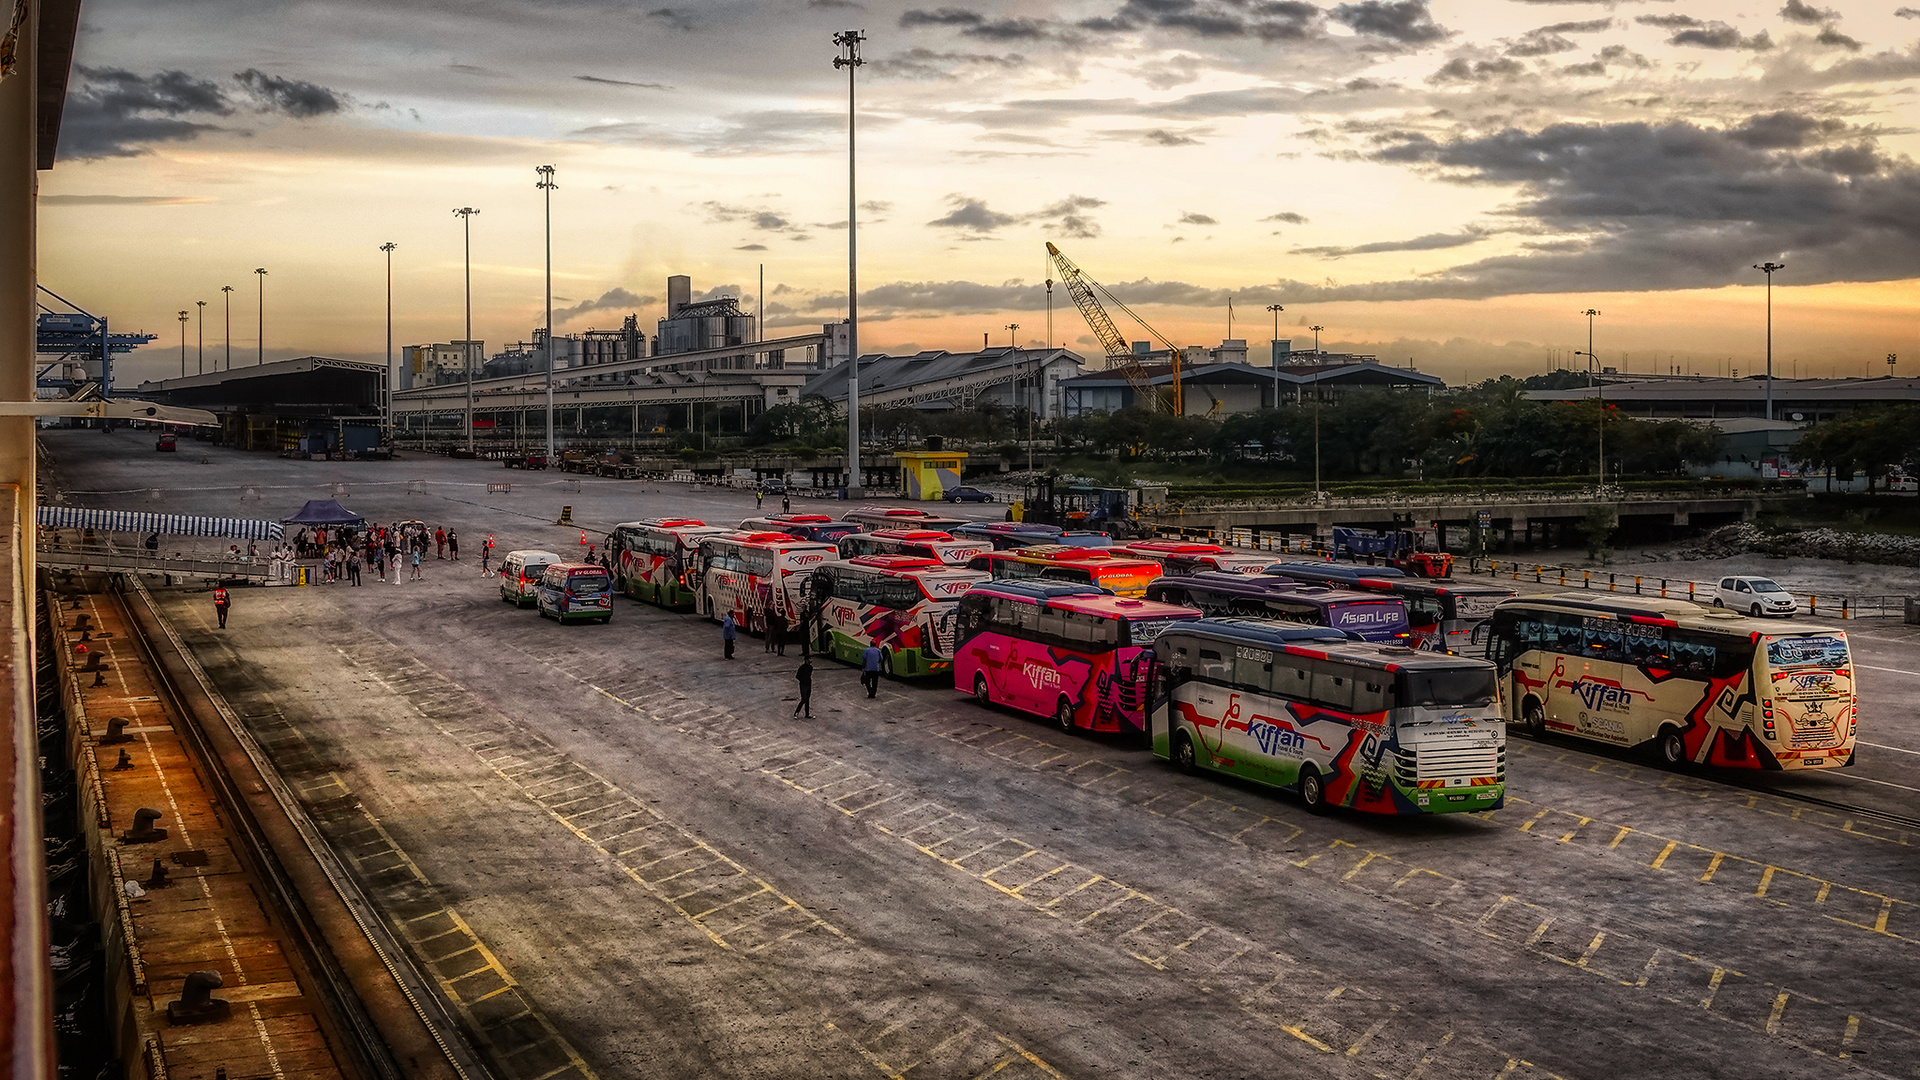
623,856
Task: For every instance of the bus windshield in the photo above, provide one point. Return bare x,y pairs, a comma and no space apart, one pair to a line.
1814,651
1476,605
1447,688
588,582
1144,631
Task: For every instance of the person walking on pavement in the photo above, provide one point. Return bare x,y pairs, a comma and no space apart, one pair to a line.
726,636
353,567
453,545
805,675
870,669
221,601
777,633
416,565
439,543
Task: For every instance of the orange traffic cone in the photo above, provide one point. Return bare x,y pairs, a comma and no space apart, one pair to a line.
583,536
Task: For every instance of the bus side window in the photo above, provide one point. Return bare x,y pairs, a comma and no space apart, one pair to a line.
1333,689
1369,697
1423,611
980,562
1215,668
1252,676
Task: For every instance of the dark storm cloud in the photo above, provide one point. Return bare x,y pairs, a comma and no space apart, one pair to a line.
1405,21
615,298
623,82
1430,242
300,100
1263,20
1675,205
116,113
1806,14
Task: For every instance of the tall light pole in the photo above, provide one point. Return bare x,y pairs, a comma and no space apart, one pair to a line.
849,58
1768,268
546,186
183,344
1594,383
465,214
388,249
260,339
1273,350
1891,357
200,325
1316,412
1316,340
227,291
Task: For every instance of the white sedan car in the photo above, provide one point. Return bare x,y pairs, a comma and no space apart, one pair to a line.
1755,596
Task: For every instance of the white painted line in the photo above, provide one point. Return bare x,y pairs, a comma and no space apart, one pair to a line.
1895,670
1883,746
1883,783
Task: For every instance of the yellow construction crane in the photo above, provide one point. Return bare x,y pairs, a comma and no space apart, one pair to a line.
1120,356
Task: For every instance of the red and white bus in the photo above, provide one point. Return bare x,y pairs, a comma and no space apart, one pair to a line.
918,543
1081,657
1061,562
651,559
755,576
1182,557
909,607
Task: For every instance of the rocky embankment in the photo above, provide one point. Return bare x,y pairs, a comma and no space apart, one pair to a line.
1731,540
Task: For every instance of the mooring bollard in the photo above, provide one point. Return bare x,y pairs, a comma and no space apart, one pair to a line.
1610,582
1843,609
1586,579
1689,590
1636,584
1813,605
1663,587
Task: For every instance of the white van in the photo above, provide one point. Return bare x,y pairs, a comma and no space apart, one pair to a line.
520,573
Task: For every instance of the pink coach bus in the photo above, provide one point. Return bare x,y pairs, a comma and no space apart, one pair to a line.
1072,652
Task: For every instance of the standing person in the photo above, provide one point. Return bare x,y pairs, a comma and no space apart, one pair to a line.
759,498
870,669
393,566
766,627
221,601
417,553
486,557
726,636
453,545
786,503
439,543
777,633
805,675
353,567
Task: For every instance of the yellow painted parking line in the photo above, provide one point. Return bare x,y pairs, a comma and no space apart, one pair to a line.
1773,1018
1713,987
1308,1039
1713,867
1661,859
1847,1037
1592,947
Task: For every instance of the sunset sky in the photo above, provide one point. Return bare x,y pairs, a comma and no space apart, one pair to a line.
1448,182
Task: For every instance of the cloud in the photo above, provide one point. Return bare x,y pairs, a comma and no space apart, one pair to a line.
975,25
122,200
1261,20
1589,26
1163,137
1461,70
929,64
751,247
973,215
615,298
837,5
300,100
623,82
1287,217
1669,22
1831,36
117,113
760,218
941,17
1187,217
1405,21
1068,216
1907,13
1688,30
678,20
1540,43
1429,242
770,131
1806,14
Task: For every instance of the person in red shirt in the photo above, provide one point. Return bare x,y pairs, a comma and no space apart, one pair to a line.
439,543
221,601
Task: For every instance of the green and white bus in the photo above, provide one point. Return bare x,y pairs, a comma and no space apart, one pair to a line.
1377,728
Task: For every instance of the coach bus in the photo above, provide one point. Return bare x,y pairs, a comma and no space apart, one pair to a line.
1376,728
1693,684
907,606
1080,656
818,527
755,576
1182,557
919,543
899,517
651,559
1061,562
1441,615
1008,535
1368,616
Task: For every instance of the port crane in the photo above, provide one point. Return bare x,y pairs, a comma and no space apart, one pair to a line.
1120,356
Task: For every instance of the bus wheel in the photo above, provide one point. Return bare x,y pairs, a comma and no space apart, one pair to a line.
1063,716
1534,717
1313,790
980,692
886,663
1184,757
1673,749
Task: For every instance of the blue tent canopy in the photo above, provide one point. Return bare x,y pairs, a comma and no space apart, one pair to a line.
324,512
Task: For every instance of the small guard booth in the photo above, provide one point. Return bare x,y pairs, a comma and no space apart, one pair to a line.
927,475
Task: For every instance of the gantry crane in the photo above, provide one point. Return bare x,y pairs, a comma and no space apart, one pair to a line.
1120,355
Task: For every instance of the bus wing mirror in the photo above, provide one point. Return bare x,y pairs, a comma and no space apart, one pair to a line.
1482,634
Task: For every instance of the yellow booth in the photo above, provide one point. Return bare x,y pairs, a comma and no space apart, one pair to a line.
930,474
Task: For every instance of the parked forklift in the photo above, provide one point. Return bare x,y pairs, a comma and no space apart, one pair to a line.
1405,547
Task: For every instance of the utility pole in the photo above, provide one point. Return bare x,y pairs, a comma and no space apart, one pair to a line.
465,214
260,338
200,326
388,248
1594,383
1273,350
849,58
1768,268
183,344
227,290
547,186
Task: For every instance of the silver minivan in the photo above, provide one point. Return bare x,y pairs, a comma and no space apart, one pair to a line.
520,572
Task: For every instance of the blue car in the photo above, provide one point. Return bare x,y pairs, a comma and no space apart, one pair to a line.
967,494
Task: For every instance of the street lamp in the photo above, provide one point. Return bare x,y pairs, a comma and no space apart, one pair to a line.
388,248
1316,339
1594,383
1891,357
546,185
1274,350
200,325
260,340
227,291
1768,268
465,214
183,344
849,58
